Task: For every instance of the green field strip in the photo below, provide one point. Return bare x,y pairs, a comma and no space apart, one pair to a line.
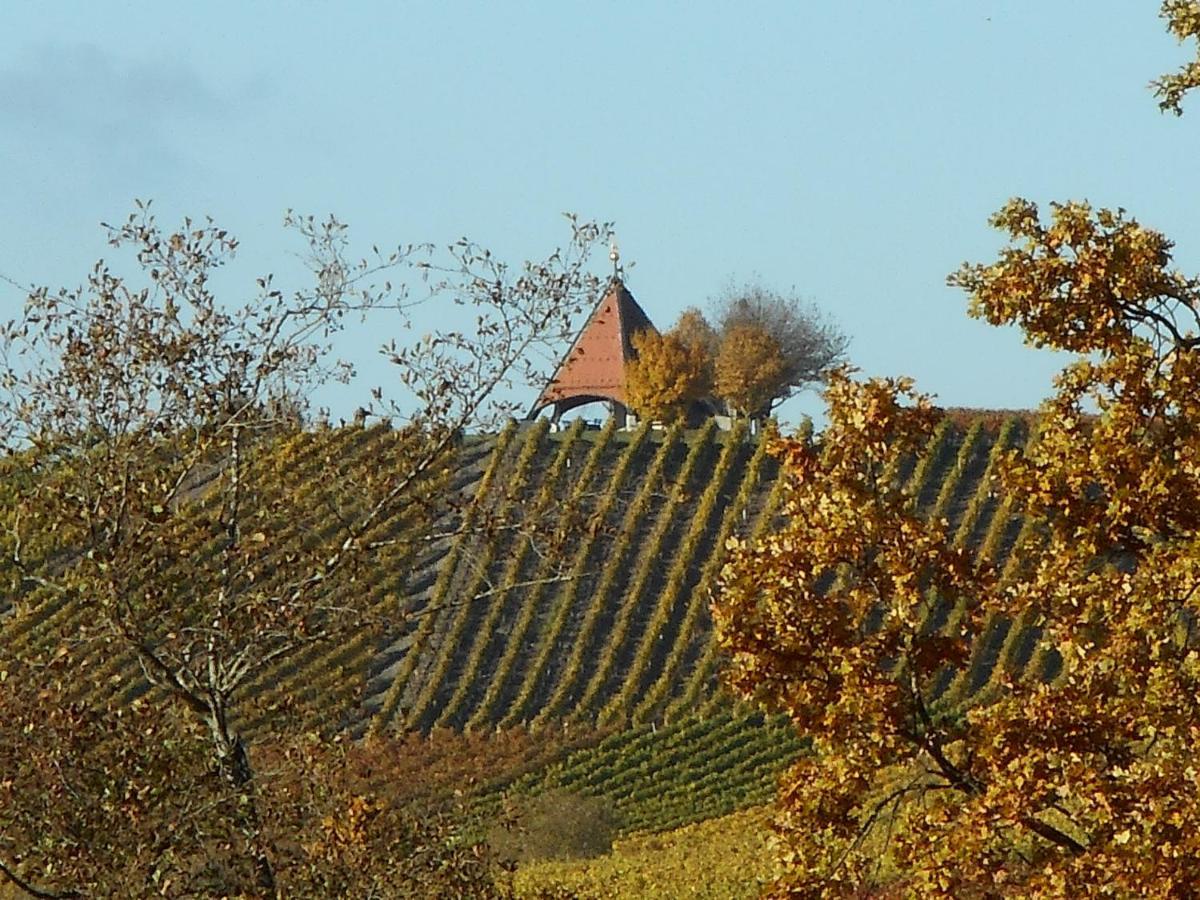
490,633
571,770
702,672
678,772
500,691
653,679
754,742
652,757
639,596
933,464
657,634
659,768
476,619
743,776
976,509
393,696
734,761
637,742
726,779
474,563
120,668
961,483
752,781
607,593
382,580
540,676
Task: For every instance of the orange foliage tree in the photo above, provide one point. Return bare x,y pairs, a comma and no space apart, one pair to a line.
770,346
666,376
1183,21
1081,785
749,369
694,330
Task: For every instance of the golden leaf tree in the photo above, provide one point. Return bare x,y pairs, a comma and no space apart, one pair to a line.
768,347
667,375
1183,21
1081,783
695,331
749,368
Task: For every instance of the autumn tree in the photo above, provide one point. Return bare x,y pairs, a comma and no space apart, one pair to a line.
749,370
694,330
769,346
121,801
666,376
140,417
1183,21
1085,785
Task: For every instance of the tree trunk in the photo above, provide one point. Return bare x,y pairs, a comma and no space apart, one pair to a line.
235,768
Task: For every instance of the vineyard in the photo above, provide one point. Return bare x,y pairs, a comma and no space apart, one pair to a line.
588,610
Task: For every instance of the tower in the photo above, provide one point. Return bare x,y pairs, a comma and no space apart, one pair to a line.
594,368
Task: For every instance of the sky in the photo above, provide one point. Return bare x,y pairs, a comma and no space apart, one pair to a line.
849,151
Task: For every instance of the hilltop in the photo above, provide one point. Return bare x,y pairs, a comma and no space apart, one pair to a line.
613,629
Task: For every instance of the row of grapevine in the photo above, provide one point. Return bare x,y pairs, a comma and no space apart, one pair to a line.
390,703
677,636
474,596
616,628
660,778
120,671
925,481
608,591
660,629
498,695
955,482
324,680
542,674
1002,647
702,659
619,643
982,501
507,594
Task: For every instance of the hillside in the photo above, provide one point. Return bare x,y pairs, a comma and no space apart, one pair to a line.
609,629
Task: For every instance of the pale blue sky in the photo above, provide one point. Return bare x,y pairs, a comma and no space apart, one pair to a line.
852,150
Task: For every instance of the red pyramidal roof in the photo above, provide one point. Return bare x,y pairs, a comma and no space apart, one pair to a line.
594,367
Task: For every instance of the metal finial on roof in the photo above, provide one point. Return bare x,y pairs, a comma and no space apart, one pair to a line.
615,255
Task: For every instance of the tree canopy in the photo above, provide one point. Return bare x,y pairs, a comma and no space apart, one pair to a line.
146,423
1183,21
1078,785
771,346
666,377
764,348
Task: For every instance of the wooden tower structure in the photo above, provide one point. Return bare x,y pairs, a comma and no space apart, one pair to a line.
594,368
